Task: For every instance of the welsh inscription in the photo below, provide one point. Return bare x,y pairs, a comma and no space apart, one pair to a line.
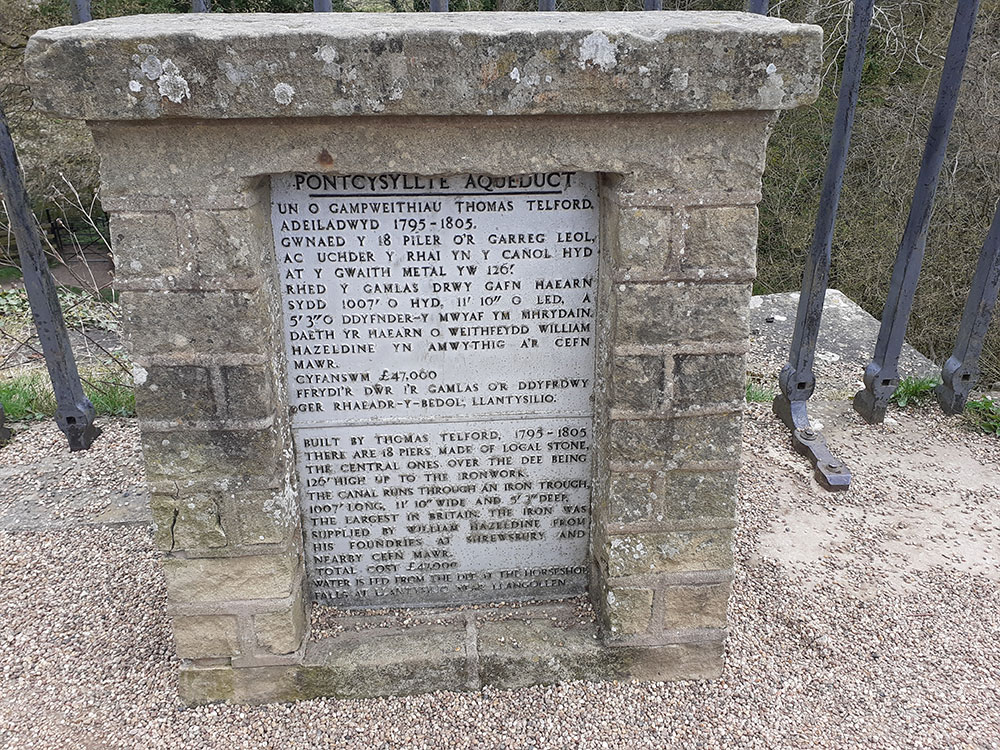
440,342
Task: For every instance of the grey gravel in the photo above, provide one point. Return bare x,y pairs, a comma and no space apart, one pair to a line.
869,619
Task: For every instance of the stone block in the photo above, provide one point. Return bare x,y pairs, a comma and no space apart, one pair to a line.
249,391
669,552
226,243
641,439
638,383
192,522
645,243
632,497
627,611
265,516
518,653
206,636
706,379
677,313
195,455
206,322
377,662
721,239
282,632
222,579
264,684
201,685
712,437
174,393
699,494
144,245
701,606
677,661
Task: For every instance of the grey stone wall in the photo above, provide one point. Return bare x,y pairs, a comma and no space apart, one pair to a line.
185,179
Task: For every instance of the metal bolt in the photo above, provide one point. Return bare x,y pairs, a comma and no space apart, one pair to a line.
836,466
807,433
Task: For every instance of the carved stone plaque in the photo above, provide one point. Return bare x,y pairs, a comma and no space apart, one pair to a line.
440,335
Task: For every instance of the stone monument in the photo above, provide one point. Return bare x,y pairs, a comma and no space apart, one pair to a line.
435,311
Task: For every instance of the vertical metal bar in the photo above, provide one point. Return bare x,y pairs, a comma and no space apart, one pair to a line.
758,6
322,6
652,4
5,433
546,4
797,379
199,6
439,6
80,11
74,412
882,373
961,372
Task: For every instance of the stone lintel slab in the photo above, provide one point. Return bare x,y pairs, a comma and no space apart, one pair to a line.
330,64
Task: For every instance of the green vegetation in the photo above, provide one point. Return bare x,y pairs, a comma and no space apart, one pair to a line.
915,391
28,395
758,391
81,309
984,414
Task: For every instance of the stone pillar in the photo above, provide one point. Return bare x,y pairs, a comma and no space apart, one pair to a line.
672,111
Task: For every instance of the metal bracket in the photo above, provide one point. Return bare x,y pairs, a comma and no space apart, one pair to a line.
830,471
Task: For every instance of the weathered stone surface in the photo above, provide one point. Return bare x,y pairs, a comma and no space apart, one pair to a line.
204,636
632,497
196,454
669,552
715,437
144,244
379,662
702,606
678,661
705,379
191,522
200,685
516,653
281,632
458,64
721,238
230,578
697,494
183,393
264,516
198,321
265,684
638,383
627,610
684,312
645,242
641,439
249,391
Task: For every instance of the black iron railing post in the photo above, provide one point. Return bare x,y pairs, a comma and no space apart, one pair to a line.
882,373
80,11
5,433
199,6
961,372
652,4
797,379
546,4
74,412
439,6
758,6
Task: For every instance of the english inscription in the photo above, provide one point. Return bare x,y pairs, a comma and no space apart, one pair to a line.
440,336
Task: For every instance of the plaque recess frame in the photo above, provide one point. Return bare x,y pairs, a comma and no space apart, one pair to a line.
450,459
672,110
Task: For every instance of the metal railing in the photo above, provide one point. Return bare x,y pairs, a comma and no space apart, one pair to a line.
797,379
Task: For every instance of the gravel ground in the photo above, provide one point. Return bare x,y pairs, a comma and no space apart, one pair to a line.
864,619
